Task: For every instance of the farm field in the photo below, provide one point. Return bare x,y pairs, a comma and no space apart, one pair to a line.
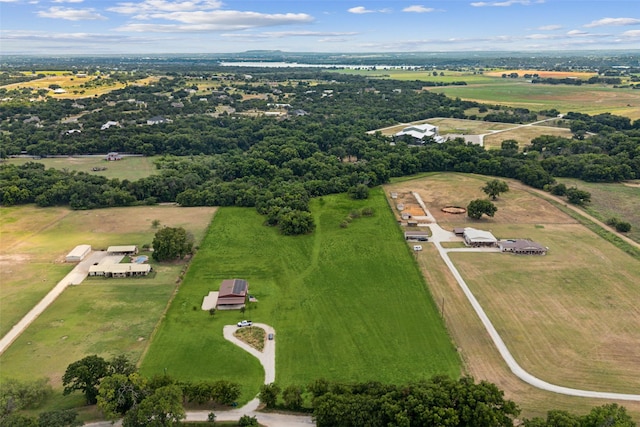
344,306
105,317
588,99
491,88
131,168
71,84
524,135
621,200
553,317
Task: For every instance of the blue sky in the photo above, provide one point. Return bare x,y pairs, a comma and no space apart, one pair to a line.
217,26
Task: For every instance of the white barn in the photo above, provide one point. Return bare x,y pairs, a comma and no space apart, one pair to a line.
78,253
473,237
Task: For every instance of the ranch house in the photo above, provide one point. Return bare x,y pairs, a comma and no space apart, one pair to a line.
120,270
522,247
122,250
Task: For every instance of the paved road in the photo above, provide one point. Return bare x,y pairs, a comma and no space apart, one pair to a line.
75,277
438,235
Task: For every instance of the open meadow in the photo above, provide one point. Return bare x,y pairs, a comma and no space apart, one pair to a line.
131,168
569,317
491,88
100,316
620,200
587,99
346,303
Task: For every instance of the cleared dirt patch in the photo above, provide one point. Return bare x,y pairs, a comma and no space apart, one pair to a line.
251,335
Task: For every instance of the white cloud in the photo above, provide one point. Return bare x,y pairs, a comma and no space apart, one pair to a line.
154,6
577,33
217,20
504,3
56,12
540,36
8,1
418,8
631,33
613,22
550,27
283,34
68,1
360,10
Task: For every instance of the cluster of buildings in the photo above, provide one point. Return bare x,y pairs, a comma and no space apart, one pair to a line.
480,238
110,266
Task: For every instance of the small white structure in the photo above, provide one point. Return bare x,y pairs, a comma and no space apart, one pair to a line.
59,91
421,131
78,253
109,124
417,248
157,120
476,238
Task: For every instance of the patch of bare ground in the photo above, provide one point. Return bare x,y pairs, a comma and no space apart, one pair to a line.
252,335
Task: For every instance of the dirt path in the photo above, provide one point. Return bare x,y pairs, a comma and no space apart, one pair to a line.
546,195
75,277
438,235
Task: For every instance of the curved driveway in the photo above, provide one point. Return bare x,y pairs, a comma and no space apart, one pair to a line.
438,235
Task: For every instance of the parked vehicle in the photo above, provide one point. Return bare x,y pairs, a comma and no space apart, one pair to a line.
245,323
270,336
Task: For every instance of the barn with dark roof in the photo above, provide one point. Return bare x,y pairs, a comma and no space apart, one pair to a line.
233,293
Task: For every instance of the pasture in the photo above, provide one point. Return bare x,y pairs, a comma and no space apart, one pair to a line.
131,168
491,88
523,134
588,99
346,303
100,316
567,317
621,200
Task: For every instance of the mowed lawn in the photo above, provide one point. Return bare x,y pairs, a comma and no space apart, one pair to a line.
347,304
131,168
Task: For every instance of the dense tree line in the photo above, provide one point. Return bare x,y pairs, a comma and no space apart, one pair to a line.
277,165
577,82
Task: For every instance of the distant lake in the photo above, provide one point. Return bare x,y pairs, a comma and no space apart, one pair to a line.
299,65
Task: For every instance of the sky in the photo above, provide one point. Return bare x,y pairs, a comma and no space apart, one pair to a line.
61,27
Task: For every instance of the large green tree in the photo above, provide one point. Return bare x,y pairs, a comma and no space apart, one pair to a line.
171,243
162,408
479,207
495,187
85,375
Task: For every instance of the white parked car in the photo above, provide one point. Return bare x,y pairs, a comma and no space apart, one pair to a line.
417,247
245,323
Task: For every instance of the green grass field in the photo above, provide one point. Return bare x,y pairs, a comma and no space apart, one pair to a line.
347,304
131,168
612,200
589,99
493,89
